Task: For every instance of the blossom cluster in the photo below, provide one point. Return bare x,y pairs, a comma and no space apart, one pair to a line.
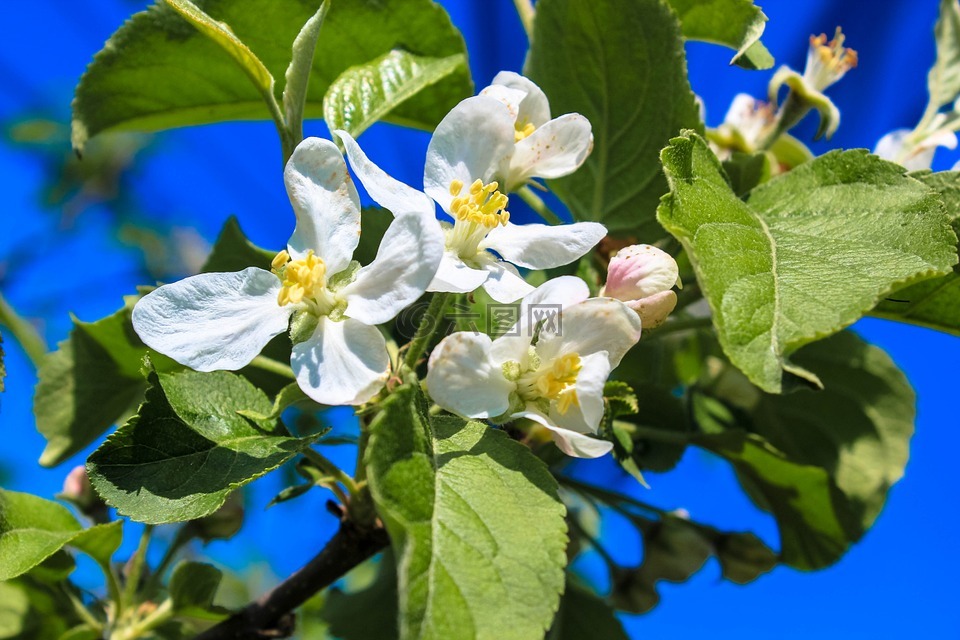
487,147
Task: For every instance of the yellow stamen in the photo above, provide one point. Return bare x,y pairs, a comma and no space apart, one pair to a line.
301,278
829,60
280,260
523,130
558,382
484,204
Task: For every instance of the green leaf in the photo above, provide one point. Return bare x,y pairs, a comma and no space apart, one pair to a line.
944,77
188,448
23,332
221,35
31,610
298,72
746,171
233,252
654,438
806,255
100,542
475,521
14,608
33,529
157,71
367,613
821,462
582,615
737,24
88,384
3,367
193,587
933,303
621,64
366,93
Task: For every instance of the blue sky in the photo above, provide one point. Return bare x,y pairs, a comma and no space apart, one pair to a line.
898,580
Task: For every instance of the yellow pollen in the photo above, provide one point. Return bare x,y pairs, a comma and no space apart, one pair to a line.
558,382
484,204
301,278
522,130
833,55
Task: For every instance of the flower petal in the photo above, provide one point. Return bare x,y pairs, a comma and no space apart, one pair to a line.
585,416
455,276
556,149
593,326
462,378
469,144
511,98
213,321
342,362
406,262
535,108
383,188
573,444
325,202
504,283
541,246
541,304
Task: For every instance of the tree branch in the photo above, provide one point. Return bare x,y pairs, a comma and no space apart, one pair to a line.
271,616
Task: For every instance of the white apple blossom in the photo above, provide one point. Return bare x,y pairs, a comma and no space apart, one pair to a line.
643,277
481,245
827,63
552,372
543,147
914,150
217,321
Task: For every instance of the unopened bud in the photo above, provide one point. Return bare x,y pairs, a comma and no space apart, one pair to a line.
643,276
78,491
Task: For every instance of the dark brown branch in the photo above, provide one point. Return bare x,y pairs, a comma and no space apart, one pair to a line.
271,616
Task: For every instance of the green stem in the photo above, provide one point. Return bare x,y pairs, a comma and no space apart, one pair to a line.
538,205
288,141
273,366
23,332
681,324
330,469
652,433
182,537
82,610
527,13
612,499
430,325
790,114
612,564
137,563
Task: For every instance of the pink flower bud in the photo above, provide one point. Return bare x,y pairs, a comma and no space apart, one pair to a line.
643,277
78,491
76,485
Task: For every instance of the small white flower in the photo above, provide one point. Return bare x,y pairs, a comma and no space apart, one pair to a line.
543,147
747,123
827,63
217,321
913,150
556,380
643,276
461,162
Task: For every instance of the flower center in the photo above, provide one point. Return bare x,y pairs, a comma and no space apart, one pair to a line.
304,281
523,130
827,62
481,209
556,382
